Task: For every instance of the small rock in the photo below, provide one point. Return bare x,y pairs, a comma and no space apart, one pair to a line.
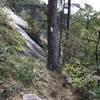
34,70
31,97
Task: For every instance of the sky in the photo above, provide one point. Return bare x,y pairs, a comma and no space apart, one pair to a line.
94,3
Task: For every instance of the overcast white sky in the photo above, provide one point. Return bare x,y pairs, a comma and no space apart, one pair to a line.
94,3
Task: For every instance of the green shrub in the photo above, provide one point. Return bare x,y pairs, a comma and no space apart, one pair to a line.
81,79
11,46
97,93
21,68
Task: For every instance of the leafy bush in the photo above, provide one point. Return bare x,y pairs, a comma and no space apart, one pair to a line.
81,79
97,95
21,68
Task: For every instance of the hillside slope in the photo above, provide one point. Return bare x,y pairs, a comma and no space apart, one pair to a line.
48,85
20,74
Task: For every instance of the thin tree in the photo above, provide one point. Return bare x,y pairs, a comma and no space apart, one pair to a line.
68,17
61,29
53,40
96,53
66,57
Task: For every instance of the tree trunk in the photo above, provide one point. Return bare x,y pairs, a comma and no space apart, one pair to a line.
61,31
96,54
66,56
68,17
53,40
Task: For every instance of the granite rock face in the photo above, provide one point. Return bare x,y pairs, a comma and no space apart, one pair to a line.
19,25
31,97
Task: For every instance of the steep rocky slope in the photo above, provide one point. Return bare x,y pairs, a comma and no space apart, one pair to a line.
21,74
17,24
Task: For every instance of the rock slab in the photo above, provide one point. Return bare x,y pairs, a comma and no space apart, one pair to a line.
31,97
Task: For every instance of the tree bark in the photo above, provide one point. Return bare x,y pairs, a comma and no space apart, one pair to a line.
53,40
68,17
96,54
66,56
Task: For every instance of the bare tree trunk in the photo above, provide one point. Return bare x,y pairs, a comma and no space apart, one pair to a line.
66,57
53,40
88,22
96,54
68,17
97,58
61,31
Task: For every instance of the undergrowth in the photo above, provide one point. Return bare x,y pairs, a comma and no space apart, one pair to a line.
82,80
11,59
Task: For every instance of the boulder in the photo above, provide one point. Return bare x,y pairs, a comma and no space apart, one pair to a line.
31,97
